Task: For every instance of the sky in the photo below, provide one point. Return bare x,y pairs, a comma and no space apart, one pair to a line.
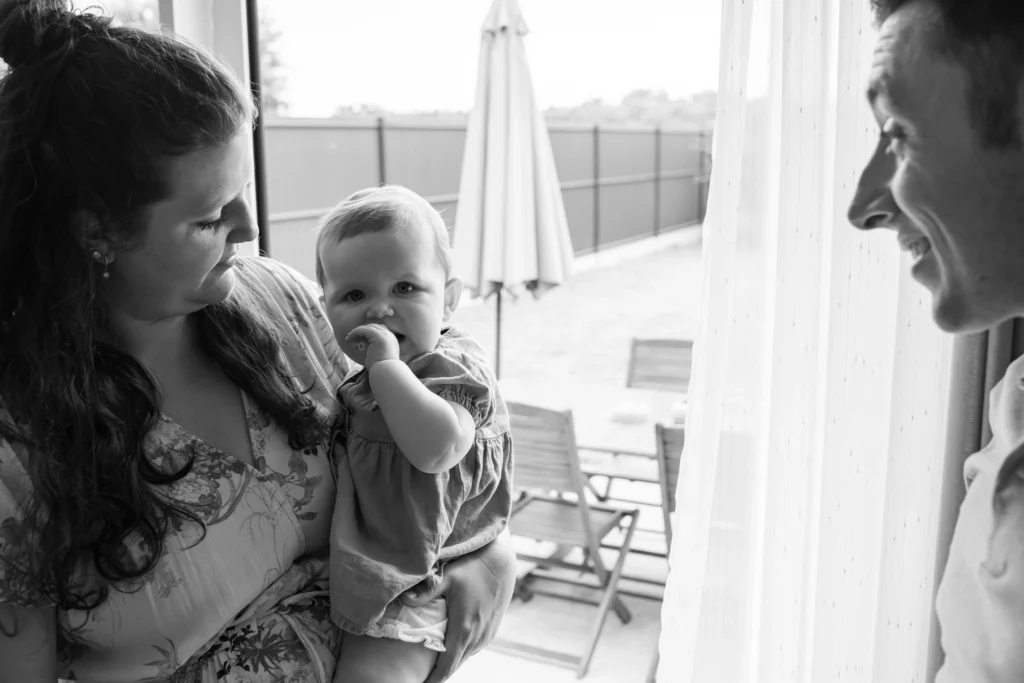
421,55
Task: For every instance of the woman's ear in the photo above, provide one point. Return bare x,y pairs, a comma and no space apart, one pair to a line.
452,297
89,231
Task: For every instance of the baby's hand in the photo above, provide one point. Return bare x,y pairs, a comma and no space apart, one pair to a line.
378,341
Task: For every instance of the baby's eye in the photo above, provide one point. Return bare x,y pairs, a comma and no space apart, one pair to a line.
354,295
404,288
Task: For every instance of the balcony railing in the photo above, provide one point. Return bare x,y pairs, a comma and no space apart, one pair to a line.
618,184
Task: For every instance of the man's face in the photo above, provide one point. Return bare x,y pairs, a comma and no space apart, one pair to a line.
956,206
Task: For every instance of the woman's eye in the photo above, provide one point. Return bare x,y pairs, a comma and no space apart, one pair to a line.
404,288
212,225
354,295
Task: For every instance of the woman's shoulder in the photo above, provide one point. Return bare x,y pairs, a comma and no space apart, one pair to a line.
278,281
290,302
16,544
15,485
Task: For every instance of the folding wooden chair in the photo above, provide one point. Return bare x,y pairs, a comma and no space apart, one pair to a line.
670,457
652,671
553,508
658,364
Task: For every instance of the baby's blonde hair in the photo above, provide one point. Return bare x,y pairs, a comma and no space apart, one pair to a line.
376,209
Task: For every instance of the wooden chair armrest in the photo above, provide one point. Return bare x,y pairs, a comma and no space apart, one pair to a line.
616,451
623,511
614,474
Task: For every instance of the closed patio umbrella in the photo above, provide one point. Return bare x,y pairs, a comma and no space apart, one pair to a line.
510,226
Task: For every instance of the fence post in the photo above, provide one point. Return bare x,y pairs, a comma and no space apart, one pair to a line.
657,180
381,172
597,186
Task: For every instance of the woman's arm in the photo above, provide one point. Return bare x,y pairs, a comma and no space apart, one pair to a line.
28,644
479,589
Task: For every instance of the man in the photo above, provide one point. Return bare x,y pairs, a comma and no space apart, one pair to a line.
948,176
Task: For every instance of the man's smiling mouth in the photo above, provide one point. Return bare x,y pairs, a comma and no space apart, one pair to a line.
918,246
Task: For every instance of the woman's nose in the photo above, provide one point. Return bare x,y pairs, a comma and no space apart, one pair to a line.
873,205
243,223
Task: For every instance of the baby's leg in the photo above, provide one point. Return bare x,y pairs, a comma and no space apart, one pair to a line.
365,659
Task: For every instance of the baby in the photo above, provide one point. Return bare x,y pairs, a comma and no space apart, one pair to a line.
422,438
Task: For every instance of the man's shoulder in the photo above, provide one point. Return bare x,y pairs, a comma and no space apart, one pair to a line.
1006,418
1006,405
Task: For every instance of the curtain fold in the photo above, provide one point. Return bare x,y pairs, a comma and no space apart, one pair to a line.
810,508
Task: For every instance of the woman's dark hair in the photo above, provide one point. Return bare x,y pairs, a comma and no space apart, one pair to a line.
90,114
986,37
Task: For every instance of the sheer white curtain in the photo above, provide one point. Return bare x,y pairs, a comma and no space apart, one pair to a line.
807,527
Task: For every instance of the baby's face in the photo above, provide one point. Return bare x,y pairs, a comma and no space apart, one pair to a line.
393,278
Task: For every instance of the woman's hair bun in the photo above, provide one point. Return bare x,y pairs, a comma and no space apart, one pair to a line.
32,30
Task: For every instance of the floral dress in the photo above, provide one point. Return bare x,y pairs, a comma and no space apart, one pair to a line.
247,601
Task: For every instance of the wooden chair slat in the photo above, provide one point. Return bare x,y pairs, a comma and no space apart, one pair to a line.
670,457
660,364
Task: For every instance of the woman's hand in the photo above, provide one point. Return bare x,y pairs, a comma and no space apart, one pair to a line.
478,588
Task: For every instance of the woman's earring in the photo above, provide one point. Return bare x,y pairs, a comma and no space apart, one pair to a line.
97,256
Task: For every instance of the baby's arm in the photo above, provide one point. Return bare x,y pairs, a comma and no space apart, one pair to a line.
434,434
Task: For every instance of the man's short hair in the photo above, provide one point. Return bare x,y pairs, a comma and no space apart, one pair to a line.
986,37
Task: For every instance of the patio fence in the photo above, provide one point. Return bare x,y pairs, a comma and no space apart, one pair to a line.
618,184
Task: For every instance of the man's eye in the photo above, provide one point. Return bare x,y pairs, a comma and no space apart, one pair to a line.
354,295
893,135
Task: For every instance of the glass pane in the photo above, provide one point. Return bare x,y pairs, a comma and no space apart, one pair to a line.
363,92
392,82
142,13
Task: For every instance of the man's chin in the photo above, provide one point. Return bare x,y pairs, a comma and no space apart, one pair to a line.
957,315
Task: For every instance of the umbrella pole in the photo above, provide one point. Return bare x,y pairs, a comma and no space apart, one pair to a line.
497,340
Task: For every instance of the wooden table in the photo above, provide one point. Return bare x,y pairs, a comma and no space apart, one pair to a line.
604,417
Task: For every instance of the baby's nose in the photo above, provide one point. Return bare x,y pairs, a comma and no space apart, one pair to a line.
379,310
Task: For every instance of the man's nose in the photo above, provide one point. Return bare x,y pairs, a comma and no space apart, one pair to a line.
873,205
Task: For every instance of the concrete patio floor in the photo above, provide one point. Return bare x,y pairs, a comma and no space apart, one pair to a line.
581,332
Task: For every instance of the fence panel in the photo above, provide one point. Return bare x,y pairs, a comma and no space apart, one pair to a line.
311,164
425,159
617,184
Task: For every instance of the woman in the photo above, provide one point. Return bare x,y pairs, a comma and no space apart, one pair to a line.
165,495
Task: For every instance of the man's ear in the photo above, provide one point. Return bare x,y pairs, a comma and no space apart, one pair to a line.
452,297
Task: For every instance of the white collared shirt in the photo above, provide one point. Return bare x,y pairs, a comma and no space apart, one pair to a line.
980,602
